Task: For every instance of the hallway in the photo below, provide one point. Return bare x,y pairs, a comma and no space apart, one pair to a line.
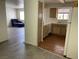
15,33
15,49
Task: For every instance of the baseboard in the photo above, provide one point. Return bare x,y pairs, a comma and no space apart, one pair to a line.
47,35
50,33
67,57
3,41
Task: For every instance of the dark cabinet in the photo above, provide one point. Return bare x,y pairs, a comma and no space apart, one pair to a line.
53,12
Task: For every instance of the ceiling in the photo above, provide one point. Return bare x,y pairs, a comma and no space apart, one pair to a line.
20,3
56,1
15,3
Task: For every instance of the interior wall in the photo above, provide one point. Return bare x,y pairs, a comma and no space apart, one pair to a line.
11,14
3,22
31,21
47,19
15,3
72,47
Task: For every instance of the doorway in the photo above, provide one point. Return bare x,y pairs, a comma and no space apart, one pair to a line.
15,20
55,23
54,41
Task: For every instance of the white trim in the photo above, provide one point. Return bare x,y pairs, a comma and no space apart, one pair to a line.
67,35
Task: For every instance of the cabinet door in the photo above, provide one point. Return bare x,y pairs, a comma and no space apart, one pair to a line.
58,29
55,29
53,12
63,30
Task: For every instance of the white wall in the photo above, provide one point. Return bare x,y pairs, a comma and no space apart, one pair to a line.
15,3
72,48
3,24
31,21
11,14
47,19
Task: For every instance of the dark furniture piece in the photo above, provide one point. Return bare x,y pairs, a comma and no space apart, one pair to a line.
16,23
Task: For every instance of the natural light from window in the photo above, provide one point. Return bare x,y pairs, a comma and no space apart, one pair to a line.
63,14
21,15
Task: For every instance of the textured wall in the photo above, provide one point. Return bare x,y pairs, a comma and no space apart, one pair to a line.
72,50
31,21
3,21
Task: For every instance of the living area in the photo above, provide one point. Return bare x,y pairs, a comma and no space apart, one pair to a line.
15,19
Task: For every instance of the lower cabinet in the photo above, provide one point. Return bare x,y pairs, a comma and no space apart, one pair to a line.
59,29
45,30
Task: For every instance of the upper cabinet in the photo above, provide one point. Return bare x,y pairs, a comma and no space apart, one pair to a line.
53,12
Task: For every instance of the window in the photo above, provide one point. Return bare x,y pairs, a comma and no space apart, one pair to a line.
66,16
63,14
60,16
21,15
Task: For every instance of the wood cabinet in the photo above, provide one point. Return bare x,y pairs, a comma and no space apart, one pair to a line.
53,12
59,29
